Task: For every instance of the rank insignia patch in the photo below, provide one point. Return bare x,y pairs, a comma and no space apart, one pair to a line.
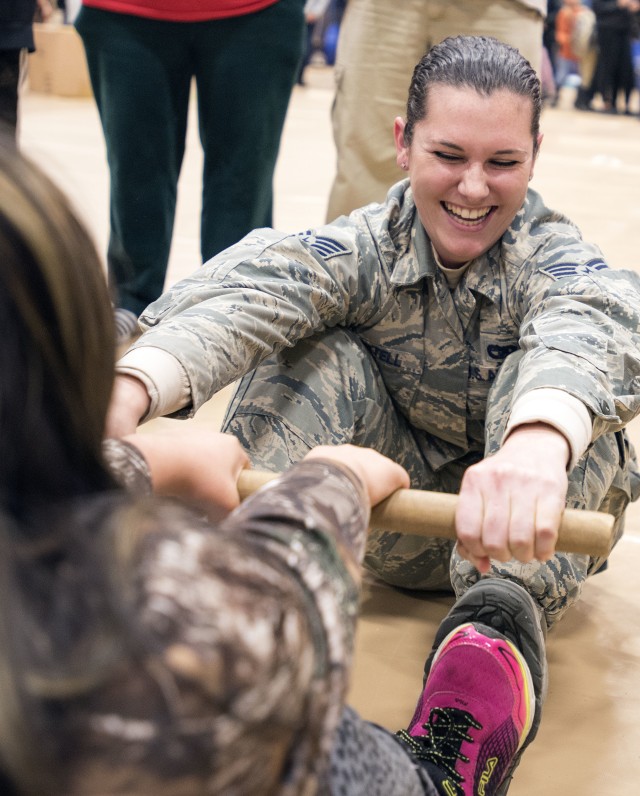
326,247
561,270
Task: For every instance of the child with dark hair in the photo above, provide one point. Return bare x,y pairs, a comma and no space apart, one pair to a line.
147,650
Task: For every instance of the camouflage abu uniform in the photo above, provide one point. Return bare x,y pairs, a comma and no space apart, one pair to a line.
359,338
234,662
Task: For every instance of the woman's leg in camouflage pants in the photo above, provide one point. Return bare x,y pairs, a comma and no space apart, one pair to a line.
328,390
599,482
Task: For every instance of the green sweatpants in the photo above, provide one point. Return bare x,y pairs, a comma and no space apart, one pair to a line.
141,72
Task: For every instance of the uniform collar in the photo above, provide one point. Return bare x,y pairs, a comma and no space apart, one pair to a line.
419,261
414,258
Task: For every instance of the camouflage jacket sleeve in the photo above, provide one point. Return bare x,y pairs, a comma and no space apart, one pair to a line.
579,322
309,527
263,294
247,629
128,466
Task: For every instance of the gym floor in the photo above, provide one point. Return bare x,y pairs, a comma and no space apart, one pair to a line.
589,168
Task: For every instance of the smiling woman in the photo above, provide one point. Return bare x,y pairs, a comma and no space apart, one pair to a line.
461,327
469,179
469,143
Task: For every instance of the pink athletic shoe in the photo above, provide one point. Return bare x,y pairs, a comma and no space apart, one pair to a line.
475,712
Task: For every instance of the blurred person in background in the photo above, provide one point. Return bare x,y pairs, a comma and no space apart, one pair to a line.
16,42
314,11
614,71
567,61
549,31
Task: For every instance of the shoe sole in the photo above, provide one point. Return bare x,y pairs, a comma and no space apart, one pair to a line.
507,608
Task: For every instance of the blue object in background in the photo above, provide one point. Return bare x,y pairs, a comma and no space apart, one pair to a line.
330,42
635,55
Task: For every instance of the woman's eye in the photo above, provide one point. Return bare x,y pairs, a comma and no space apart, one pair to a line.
504,164
448,157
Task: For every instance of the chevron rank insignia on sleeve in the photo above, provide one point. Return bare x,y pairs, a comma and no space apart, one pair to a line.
326,247
561,270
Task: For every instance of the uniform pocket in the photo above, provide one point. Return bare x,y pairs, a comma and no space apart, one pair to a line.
400,371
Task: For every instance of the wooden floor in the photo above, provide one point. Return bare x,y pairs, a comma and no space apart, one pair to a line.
589,743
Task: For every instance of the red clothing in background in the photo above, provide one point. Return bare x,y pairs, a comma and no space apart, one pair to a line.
181,10
565,21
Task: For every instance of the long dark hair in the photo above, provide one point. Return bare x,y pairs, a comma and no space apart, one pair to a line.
56,343
57,616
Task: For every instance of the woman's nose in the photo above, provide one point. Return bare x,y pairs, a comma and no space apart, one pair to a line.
473,183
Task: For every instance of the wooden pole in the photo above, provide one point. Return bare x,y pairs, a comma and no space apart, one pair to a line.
431,514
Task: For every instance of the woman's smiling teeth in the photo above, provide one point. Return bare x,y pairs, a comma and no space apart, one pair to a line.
467,215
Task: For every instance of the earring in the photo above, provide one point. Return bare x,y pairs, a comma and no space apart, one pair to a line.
404,165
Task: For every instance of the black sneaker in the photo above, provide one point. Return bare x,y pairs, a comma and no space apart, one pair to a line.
126,324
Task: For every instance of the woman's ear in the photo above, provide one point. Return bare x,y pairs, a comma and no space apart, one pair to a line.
536,152
402,150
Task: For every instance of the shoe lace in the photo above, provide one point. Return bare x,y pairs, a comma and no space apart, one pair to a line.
446,728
